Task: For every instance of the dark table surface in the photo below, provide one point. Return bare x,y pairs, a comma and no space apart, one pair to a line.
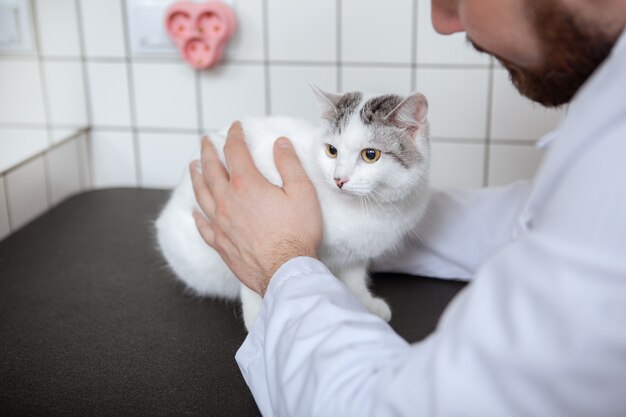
93,323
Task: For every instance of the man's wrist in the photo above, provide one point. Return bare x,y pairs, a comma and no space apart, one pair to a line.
279,261
295,266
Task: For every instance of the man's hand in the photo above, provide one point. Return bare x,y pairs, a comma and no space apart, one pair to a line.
254,225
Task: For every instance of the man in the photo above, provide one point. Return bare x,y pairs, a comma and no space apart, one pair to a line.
542,328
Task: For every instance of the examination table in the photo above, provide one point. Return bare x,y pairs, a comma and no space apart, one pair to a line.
93,323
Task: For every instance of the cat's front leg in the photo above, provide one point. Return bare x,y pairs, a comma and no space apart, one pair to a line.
357,279
250,306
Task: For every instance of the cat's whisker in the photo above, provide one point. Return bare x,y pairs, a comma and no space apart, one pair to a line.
370,202
364,207
412,226
380,204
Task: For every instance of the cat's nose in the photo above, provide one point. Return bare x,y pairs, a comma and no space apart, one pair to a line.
340,181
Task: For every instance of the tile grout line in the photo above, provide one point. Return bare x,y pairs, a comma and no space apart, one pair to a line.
86,159
46,100
81,40
44,84
48,178
283,62
339,56
192,131
488,125
199,103
131,95
414,46
83,183
6,200
81,168
266,59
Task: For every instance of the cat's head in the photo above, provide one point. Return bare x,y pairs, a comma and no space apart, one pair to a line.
374,145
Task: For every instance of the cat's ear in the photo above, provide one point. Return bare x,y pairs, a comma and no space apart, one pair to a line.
411,113
327,101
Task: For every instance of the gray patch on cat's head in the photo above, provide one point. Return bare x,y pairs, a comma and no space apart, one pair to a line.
376,109
397,143
344,108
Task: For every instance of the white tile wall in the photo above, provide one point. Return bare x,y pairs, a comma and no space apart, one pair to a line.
436,49
103,28
147,112
5,227
66,93
457,101
109,94
290,92
51,175
21,100
63,171
376,79
231,92
112,157
57,24
515,117
19,145
247,42
508,163
26,192
165,95
302,30
457,164
370,30
165,157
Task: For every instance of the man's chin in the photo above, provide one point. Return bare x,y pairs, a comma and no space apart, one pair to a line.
539,86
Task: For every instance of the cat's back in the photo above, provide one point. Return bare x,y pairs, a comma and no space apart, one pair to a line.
260,134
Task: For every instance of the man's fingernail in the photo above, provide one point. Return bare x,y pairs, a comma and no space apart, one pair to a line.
196,165
235,125
283,143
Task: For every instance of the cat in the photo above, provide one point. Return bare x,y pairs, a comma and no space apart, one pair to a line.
369,161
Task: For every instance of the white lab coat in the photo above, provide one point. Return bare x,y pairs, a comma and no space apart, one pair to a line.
540,330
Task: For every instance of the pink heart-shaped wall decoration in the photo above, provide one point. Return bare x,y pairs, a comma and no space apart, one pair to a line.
200,30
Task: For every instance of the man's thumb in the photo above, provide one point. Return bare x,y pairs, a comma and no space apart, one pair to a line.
288,164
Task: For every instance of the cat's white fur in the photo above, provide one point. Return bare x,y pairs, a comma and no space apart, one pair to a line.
359,224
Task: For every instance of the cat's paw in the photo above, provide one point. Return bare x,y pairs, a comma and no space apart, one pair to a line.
379,307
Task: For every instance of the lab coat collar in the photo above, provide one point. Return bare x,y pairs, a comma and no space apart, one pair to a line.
597,106
584,104
598,103
600,99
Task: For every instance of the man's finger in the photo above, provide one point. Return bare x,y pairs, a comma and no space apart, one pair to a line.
291,171
204,228
200,189
213,171
236,152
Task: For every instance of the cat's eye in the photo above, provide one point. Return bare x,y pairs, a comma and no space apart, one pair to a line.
370,155
331,151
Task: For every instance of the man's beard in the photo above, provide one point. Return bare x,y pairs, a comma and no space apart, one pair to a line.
571,52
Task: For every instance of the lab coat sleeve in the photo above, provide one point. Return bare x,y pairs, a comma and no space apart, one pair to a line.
306,351
460,229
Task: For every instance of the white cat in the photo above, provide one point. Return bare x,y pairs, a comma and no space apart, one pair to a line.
369,162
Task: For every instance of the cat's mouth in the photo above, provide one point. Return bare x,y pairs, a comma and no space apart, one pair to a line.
354,191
